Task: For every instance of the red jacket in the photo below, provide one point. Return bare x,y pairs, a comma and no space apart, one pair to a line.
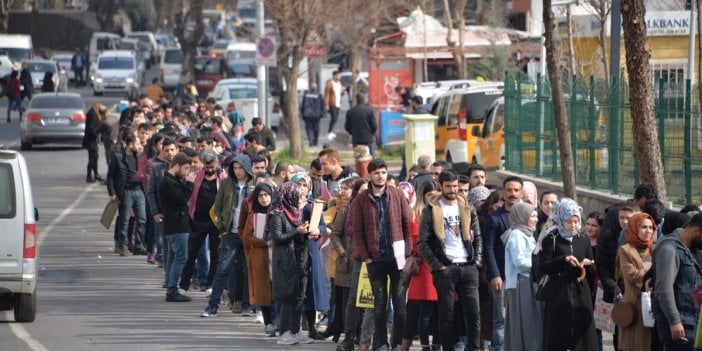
14,85
421,287
365,222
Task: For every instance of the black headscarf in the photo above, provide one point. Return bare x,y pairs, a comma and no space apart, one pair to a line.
255,205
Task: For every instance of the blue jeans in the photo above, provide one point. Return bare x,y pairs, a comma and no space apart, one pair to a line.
663,330
177,255
14,103
498,320
227,249
202,264
132,200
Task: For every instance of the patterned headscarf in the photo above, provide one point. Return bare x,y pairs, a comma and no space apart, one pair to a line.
477,194
409,192
562,210
529,193
286,200
519,216
297,177
633,228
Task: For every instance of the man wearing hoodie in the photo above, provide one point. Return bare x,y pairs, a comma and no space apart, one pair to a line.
230,196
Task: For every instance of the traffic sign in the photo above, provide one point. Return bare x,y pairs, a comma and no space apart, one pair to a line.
266,52
314,45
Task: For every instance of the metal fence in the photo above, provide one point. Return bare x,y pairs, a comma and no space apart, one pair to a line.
601,131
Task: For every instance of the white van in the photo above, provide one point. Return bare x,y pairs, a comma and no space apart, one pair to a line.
17,47
241,51
99,42
171,65
18,249
116,71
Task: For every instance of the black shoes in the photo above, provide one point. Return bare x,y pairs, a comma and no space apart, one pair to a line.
89,179
177,298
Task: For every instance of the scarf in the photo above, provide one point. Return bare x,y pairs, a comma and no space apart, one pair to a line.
255,205
562,210
477,194
519,216
633,228
529,193
286,200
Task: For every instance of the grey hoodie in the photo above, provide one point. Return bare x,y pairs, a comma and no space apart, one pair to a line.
244,161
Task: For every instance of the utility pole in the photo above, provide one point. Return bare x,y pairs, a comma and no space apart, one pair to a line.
260,69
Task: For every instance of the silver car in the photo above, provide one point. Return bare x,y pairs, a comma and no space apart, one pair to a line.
39,68
53,118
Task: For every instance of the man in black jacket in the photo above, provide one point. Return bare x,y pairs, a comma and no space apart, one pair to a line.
173,193
450,242
361,124
312,110
123,186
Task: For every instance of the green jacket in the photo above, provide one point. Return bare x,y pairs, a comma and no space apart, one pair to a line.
227,197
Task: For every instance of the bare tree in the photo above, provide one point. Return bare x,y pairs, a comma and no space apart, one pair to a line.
294,20
5,6
638,67
601,11
105,11
189,30
457,48
553,60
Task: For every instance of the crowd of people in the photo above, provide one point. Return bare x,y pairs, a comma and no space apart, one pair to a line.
450,261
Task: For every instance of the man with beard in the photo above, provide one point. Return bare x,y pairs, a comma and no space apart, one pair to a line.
450,241
207,181
174,192
496,224
676,272
154,170
381,226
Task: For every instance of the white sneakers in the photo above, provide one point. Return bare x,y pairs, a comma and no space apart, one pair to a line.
259,317
331,136
292,339
287,339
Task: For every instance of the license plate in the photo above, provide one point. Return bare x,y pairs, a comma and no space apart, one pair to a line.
58,120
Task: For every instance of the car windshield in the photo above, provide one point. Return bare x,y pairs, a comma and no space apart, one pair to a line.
207,66
7,191
221,44
239,55
41,67
16,54
243,69
243,92
142,38
116,63
126,46
58,101
173,57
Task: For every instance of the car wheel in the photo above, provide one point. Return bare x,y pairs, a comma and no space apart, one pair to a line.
25,146
25,307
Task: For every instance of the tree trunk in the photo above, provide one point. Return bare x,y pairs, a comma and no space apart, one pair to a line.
571,50
699,48
188,43
562,122
641,95
602,40
291,108
460,57
5,6
355,66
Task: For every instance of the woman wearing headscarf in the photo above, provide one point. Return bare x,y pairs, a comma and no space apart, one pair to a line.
256,250
634,261
289,234
529,193
523,328
317,296
568,316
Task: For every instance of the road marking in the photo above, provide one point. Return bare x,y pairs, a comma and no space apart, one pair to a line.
66,211
23,335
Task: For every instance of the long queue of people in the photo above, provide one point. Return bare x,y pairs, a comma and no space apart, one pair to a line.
445,256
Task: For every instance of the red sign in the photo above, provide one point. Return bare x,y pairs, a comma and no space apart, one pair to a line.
384,76
314,51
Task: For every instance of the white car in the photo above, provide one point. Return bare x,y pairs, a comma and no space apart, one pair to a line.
149,39
116,71
171,65
39,68
242,94
18,242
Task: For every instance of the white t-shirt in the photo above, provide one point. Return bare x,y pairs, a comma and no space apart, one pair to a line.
336,86
453,245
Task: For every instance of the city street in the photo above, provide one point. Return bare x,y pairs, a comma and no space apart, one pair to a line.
90,298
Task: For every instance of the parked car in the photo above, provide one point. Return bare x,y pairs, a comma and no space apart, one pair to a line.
461,115
39,68
241,51
116,71
208,71
243,68
18,242
53,118
242,94
171,65
138,48
149,40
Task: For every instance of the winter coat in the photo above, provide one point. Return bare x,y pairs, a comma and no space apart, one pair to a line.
366,234
118,175
636,336
317,295
290,258
173,193
90,138
421,286
607,246
361,124
312,106
432,234
256,251
342,241
568,317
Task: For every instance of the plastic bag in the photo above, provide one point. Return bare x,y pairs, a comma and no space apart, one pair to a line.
646,311
603,313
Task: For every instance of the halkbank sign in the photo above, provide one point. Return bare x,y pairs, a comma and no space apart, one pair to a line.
662,23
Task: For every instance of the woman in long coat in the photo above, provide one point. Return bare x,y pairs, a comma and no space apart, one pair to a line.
257,256
317,295
568,316
290,260
634,260
90,142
